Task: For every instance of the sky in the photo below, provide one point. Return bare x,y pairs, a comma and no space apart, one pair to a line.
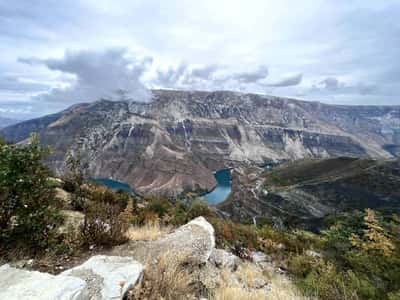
55,53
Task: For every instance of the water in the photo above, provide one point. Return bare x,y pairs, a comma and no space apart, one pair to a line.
223,189
392,149
218,195
113,184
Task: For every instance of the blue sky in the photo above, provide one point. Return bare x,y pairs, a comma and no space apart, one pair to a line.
57,53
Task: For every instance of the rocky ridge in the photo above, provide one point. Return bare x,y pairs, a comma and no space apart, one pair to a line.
173,144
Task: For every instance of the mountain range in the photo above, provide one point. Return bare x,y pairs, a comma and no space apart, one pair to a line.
173,144
4,122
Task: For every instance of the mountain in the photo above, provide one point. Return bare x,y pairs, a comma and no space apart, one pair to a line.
4,122
306,191
175,143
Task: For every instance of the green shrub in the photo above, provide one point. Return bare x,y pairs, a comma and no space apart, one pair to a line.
159,206
238,237
103,225
108,215
301,265
28,214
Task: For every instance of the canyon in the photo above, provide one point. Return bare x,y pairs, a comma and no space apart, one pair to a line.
174,144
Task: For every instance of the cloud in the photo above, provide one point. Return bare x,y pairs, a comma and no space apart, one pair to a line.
332,85
204,72
208,77
171,77
252,76
113,74
20,85
288,81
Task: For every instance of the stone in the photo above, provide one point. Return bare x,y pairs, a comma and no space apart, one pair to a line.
191,243
258,257
313,253
259,283
19,284
107,277
223,259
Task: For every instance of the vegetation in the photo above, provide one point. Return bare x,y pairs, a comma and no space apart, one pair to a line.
361,260
356,257
167,278
29,215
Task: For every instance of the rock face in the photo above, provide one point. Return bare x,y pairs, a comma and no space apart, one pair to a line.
173,144
223,259
99,278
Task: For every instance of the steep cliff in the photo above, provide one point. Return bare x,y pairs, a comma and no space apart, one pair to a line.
173,144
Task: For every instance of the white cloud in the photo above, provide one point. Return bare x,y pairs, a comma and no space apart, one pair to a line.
112,74
210,44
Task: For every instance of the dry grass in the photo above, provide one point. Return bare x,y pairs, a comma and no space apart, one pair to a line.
248,274
165,279
281,288
149,232
237,293
284,289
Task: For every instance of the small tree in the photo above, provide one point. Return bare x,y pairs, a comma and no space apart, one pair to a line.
27,210
375,238
74,181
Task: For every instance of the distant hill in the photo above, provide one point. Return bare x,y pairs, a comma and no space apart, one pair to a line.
174,144
307,191
4,122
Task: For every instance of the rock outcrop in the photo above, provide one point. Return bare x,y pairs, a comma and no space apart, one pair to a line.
107,277
99,278
191,243
173,144
18,284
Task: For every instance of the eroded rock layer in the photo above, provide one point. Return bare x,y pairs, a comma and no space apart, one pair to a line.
173,144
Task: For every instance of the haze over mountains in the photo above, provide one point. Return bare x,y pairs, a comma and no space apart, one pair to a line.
174,144
4,122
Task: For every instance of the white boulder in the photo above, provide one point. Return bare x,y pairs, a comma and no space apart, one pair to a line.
19,284
107,277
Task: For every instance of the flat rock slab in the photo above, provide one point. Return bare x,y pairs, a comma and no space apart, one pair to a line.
107,277
19,284
99,278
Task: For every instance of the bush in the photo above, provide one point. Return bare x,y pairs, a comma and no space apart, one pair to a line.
301,265
361,259
28,214
108,215
238,237
103,225
73,182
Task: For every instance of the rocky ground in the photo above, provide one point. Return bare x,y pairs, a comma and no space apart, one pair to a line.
126,271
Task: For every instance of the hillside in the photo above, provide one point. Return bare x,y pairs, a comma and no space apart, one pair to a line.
306,191
174,144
